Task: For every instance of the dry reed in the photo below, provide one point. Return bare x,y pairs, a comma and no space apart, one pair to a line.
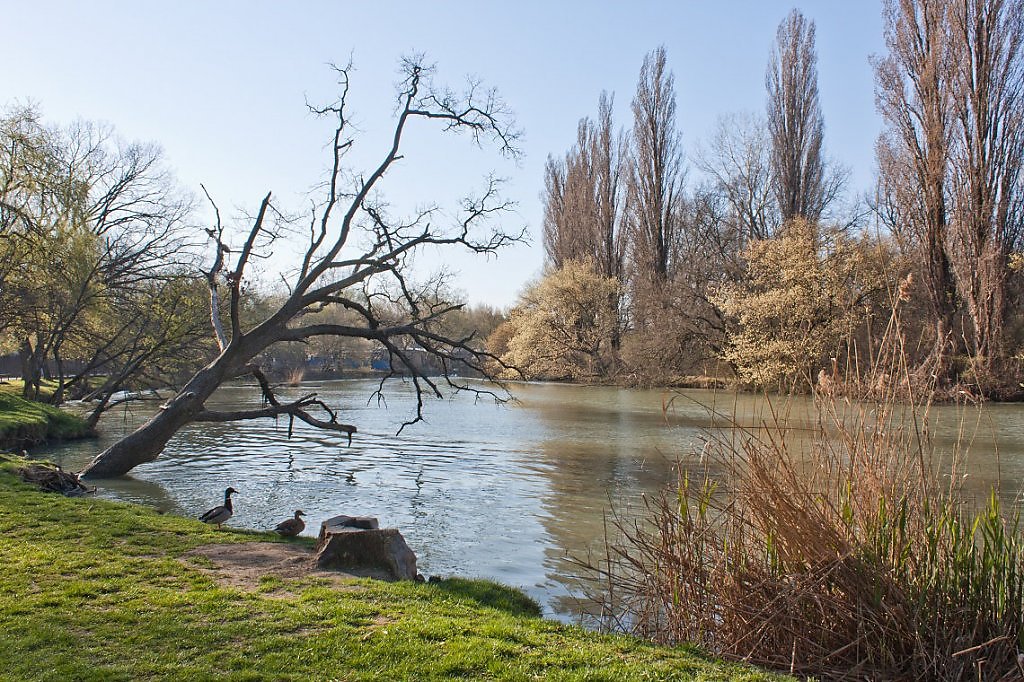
851,552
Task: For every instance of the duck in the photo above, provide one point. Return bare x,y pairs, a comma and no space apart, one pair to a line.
220,513
289,528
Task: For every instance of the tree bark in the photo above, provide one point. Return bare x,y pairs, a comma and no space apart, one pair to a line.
146,443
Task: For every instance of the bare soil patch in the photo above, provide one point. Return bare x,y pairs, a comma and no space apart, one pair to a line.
242,565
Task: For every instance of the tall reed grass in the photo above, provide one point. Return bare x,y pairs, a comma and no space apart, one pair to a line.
850,552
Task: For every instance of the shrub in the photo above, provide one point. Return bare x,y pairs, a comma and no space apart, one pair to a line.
806,291
563,326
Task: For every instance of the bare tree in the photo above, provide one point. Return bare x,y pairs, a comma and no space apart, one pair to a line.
583,197
356,258
952,91
987,158
556,229
656,171
608,150
738,162
804,185
914,97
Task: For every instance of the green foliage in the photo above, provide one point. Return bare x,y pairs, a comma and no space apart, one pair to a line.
564,326
99,590
92,258
806,291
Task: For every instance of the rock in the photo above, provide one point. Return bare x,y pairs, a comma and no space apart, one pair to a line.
380,552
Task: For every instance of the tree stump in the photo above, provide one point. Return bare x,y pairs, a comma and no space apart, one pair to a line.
357,544
336,523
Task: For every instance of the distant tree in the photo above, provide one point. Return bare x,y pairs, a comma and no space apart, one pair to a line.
656,172
914,97
987,63
562,326
26,160
952,92
356,257
804,185
88,223
655,205
738,161
475,323
583,197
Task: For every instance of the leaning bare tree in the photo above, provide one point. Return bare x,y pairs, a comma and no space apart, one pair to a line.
356,258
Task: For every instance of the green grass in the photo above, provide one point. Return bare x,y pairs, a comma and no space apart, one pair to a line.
26,422
95,590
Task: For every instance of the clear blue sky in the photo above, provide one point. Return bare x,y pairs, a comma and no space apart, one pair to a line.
221,85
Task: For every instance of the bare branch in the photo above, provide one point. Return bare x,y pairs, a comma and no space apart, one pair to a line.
220,248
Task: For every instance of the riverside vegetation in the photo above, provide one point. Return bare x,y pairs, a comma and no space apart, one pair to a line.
25,423
850,552
747,258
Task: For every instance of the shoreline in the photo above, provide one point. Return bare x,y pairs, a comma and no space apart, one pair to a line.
100,589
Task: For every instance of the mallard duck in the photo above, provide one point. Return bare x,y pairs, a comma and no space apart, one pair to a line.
220,513
291,527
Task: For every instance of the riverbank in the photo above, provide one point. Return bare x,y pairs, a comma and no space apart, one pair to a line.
102,590
25,423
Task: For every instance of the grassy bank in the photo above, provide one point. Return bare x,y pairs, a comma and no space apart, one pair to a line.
92,589
24,423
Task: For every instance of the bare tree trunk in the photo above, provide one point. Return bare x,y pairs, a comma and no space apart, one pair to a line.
33,367
146,443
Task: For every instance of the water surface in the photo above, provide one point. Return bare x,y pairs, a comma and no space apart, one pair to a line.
508,492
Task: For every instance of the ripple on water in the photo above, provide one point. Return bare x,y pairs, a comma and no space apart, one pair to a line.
507,493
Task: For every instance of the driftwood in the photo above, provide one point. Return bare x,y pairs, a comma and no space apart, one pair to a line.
53,479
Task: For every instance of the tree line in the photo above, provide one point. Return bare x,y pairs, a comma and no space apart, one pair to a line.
95,261
762,269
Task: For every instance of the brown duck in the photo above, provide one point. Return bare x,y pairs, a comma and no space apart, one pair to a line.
289,528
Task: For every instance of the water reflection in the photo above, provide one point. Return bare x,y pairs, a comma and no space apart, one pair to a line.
505,492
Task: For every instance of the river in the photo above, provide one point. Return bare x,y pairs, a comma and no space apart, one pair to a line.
509,492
